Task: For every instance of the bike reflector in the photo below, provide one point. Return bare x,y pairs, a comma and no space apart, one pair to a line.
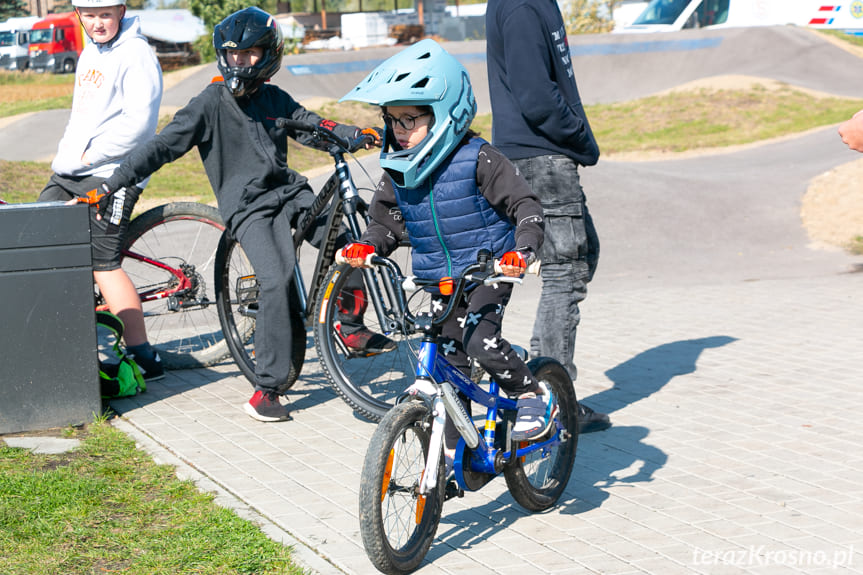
445,286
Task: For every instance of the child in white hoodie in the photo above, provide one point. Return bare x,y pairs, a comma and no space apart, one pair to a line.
118,89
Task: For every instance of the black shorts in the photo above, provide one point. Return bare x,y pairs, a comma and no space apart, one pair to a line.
106,246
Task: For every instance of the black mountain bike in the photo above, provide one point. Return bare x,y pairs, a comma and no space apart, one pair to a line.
237,292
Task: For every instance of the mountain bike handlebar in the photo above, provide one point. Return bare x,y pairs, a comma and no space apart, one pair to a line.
320,133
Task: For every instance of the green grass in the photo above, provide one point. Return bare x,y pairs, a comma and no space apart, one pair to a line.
684,121
185,177
855,40
24,92
107,508
670,123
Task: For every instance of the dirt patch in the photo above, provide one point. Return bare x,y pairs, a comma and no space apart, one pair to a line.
741,82
832,209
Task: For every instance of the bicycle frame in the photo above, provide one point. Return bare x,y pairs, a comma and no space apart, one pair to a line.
434,375
437,383
183,283
345,206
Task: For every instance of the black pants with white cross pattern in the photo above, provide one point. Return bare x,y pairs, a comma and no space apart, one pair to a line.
474,331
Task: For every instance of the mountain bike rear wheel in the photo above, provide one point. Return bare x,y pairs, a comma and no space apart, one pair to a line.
396,522
369,383
237,298
183,326
537,480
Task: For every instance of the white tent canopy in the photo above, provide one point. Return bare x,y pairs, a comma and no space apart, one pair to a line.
177,26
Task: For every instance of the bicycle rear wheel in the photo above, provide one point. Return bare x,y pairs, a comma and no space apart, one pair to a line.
369,383
396,522
537,480
237,298
183,237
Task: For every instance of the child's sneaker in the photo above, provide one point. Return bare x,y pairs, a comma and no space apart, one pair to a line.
151,369
265,406
535,414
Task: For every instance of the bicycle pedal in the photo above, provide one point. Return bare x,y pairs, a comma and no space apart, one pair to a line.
452,490
247,289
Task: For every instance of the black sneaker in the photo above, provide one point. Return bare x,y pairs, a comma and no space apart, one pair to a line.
590,421
151,369
265,406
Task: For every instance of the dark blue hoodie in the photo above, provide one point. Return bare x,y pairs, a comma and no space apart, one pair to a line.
536,108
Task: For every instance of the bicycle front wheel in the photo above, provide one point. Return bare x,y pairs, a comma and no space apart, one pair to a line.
169,253
368,382
237,297
537,480
396,522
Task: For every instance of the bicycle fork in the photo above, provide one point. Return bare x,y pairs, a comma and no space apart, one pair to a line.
444,403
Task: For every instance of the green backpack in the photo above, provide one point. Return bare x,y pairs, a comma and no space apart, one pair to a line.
119,375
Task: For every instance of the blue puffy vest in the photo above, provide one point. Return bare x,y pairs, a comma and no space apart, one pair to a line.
448,219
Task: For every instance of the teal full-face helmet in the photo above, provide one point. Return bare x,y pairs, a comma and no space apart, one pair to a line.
421,75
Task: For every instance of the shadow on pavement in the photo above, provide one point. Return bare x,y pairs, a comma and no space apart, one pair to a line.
612,458
647,372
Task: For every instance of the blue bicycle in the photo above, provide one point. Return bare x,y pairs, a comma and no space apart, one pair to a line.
403,484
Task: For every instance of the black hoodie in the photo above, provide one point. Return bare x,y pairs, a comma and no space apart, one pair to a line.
244,154
534,98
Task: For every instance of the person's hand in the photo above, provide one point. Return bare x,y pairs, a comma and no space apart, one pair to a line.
106,199
513,264
367,138
113,204
851,132
98,197
356,254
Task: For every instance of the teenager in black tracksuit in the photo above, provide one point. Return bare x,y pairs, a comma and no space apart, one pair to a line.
232,123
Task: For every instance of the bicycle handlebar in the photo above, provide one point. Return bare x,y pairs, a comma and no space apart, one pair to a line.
316,131
486,272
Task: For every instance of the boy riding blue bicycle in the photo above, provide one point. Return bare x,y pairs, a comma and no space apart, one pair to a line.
455,195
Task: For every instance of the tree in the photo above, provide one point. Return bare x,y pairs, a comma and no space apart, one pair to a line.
12,8
588,16
214,11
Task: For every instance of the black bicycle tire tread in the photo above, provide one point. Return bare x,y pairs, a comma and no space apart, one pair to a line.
371,521
520,488
355,398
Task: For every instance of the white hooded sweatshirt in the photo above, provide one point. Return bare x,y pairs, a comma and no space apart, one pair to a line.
115,107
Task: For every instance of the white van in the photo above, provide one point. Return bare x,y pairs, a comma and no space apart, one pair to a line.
672,15
14,41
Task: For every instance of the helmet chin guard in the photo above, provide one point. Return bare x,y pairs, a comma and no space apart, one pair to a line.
248,28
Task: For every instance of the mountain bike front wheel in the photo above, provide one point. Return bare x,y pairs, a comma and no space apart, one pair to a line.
369,382
169,253
237,298
397,523
538,479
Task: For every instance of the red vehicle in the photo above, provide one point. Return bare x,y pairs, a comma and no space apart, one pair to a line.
55,43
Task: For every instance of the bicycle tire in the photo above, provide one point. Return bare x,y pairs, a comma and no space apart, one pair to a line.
236,307
537,480
185,330
397,525
369,384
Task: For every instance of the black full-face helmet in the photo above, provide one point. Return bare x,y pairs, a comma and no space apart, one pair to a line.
242,30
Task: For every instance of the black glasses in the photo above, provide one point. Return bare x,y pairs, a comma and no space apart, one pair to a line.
407,122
